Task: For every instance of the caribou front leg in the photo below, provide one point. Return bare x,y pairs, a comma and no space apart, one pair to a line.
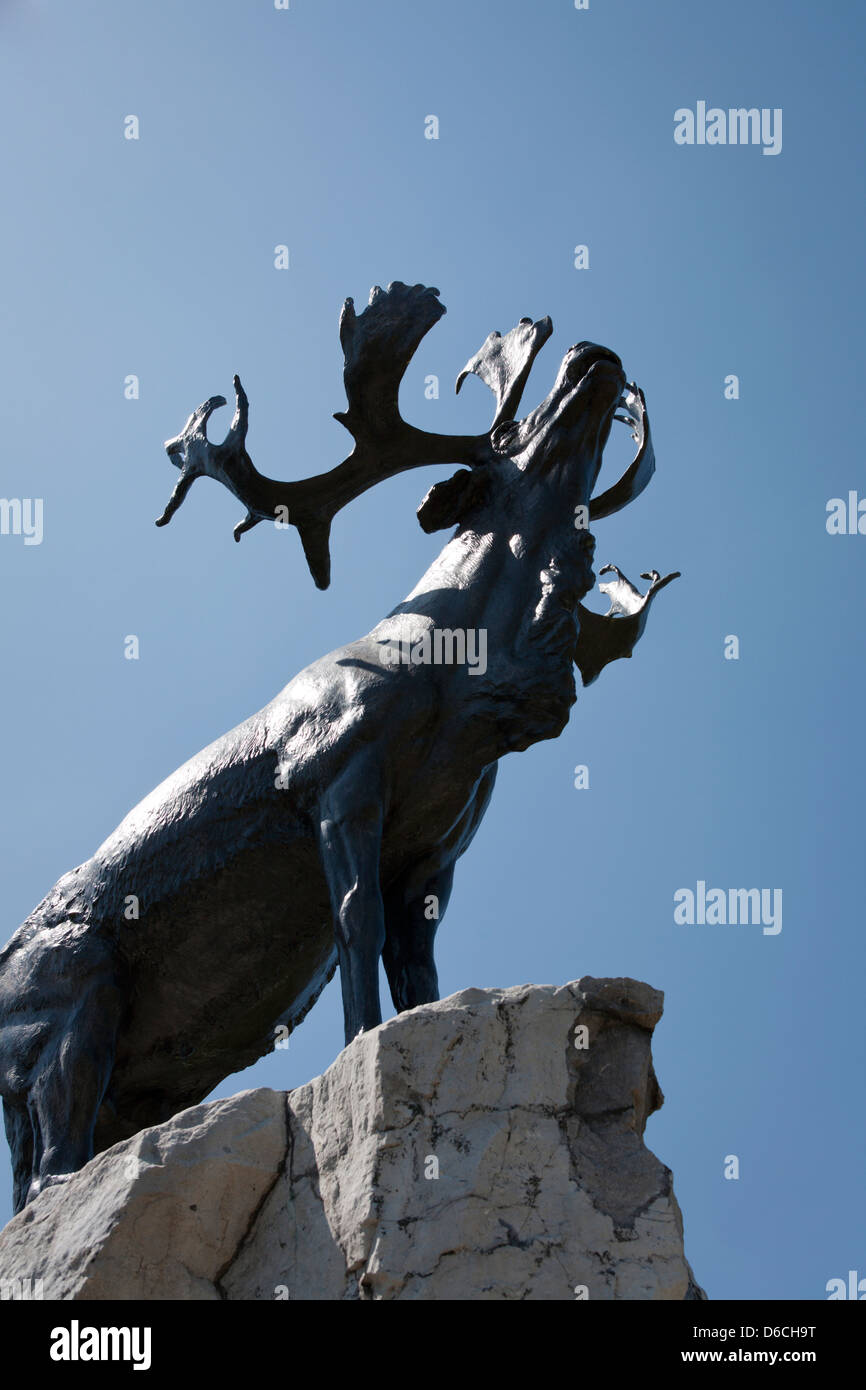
351,839
412,913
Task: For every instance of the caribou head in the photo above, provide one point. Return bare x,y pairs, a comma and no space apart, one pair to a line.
562,439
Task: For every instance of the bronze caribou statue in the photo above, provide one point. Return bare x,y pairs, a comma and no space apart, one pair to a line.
326,827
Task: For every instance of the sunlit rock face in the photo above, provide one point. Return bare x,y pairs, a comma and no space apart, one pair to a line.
488,1146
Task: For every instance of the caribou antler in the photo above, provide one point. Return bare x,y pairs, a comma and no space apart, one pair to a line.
607,637
504,364
378,345
636,477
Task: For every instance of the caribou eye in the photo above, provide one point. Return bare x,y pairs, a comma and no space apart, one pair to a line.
505,437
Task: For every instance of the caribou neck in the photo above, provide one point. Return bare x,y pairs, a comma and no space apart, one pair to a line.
519,585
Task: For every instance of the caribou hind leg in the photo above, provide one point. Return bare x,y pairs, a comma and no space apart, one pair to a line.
67,1079
19,1134
65,1099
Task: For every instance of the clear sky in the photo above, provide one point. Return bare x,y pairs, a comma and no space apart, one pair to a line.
155,257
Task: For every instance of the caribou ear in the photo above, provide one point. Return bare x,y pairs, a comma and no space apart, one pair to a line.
447,504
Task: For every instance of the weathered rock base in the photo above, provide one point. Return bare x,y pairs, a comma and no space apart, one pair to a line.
488,1146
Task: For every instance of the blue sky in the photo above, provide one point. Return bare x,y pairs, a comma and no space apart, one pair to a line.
155,258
